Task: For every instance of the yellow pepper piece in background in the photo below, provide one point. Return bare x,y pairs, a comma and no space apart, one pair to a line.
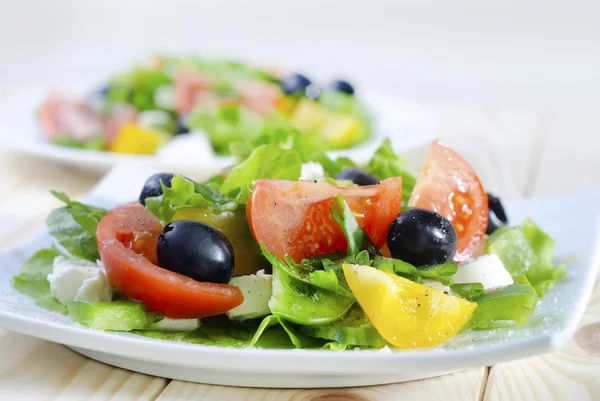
405,313
309,115
338,129
341,130
132,138
286,105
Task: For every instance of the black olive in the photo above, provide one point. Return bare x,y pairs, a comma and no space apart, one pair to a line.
294,83
497,215
422,238
152,186
357,176
196,250
342,86
312,91
181,127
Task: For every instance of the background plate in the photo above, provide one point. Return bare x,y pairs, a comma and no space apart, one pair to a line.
405,122
556,316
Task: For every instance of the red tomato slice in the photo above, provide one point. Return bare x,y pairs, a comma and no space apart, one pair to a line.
127,243
294,217
450,187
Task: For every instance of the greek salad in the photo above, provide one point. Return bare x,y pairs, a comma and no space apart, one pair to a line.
293,249
228,104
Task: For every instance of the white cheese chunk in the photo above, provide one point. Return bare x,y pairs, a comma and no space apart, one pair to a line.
78,280
257,290
164,97
487,270
176,324
312,171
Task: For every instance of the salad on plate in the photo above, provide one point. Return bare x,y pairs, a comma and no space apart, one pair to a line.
220,106
293,249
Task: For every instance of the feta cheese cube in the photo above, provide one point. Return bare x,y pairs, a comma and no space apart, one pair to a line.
257,290
312,171
487,270
78,280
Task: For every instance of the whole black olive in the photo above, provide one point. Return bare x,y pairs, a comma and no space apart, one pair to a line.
152,186
342,86
422,238
196,250
497,215
357,176
294,83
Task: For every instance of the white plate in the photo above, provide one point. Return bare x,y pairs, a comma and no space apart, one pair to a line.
405,122
575,227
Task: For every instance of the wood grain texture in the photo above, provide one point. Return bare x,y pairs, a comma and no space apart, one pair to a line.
32,369
467,386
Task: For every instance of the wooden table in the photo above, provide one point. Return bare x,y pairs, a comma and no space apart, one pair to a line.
519,151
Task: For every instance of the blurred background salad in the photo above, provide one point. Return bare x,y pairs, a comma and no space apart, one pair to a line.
231,104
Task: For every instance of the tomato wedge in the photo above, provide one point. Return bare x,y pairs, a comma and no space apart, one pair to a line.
127,243
448,185
293,218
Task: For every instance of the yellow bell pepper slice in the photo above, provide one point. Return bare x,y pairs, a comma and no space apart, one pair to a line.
134,139
405,313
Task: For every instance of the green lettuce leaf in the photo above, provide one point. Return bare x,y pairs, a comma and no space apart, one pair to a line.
526,252
32,280
509,306
385,163
328,276
74,227
302,298
96,143
112,316
225,125
184,194
265,162
305,304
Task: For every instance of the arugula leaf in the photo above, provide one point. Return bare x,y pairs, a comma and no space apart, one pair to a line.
526,252
183,194
74,227
443,270
467,290
395,266
311,274
385,163
32,280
